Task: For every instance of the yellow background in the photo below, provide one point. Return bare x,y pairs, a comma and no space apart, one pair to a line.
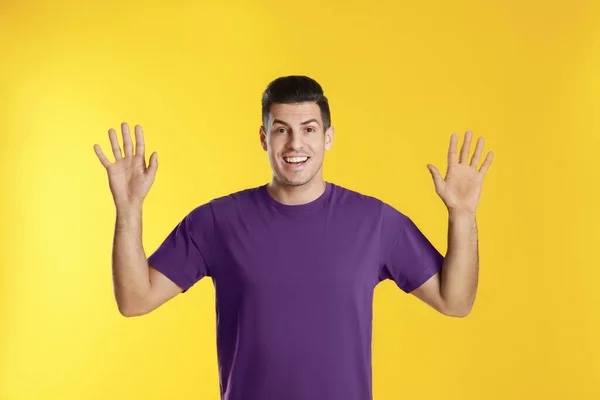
401,77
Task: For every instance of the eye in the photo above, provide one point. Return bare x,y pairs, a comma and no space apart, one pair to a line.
310,129
281,130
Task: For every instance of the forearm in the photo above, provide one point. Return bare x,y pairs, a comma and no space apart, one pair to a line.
129,263
461,266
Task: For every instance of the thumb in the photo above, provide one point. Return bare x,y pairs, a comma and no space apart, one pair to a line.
437,177
153,164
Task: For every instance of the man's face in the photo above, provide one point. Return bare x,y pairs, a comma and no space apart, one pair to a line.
296,142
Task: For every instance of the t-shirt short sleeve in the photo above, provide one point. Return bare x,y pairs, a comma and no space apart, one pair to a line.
407,257
186,254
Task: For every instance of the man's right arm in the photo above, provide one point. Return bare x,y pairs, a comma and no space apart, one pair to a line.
139,288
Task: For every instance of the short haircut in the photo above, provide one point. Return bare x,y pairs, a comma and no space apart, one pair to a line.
292,90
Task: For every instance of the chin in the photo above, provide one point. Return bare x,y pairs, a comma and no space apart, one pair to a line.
285,177
292,181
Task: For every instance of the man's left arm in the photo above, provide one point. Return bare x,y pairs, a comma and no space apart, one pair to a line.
452,291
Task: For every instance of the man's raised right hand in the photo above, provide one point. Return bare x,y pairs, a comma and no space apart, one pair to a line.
128,177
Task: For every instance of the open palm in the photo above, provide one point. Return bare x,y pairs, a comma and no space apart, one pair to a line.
460,190
129,178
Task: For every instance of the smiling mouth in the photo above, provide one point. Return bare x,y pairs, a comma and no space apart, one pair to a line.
295,160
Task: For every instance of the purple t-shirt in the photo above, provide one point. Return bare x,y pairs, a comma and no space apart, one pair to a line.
294,287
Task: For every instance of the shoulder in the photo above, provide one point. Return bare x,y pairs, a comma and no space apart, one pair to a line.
365,203
343,196
235,198
227,204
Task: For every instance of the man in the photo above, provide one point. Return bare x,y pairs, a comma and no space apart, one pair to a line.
294,262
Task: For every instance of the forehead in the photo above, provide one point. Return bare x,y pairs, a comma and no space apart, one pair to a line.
295,113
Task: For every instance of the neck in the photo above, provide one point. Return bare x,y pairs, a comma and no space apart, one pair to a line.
296,195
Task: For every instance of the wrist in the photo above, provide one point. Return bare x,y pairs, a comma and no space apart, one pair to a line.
128,212
461,215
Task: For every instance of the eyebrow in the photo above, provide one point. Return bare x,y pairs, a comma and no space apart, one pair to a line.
278,121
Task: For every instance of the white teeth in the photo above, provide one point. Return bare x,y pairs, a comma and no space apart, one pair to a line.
295,159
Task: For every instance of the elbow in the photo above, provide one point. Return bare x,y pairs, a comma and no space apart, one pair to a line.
457,307
129,310
129,313
457,311
132,303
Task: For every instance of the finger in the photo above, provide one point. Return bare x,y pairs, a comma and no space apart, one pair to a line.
478,151
127,144
140,146
437,177
114,142
486,163
101,156
452,149
153,164
466,148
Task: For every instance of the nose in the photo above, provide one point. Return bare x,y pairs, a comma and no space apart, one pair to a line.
296,141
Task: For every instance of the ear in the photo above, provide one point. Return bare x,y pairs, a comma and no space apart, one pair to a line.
329,138
263,138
